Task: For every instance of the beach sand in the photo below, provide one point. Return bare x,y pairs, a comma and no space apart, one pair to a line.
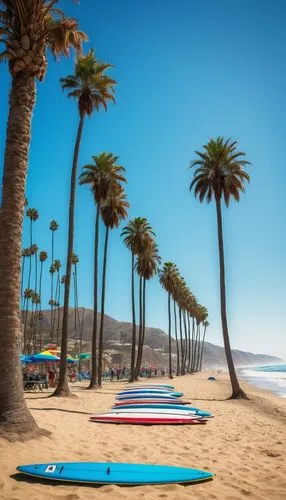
244,445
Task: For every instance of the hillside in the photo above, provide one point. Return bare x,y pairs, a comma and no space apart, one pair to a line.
117,339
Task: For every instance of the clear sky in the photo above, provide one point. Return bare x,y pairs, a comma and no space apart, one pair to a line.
186,70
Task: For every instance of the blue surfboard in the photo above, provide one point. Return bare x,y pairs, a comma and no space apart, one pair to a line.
171,396
150,391
114,473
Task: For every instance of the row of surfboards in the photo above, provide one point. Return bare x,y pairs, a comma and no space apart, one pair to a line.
151,404
156,404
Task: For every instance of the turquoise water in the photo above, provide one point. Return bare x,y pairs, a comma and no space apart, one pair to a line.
271,377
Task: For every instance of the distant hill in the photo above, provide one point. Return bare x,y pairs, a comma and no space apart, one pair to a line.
117,338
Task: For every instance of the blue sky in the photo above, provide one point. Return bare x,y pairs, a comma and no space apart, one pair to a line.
186,70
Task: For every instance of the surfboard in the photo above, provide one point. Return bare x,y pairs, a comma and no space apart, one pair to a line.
159,400
146,419
161,411
146,395
162,406
151,391
167,386
115,473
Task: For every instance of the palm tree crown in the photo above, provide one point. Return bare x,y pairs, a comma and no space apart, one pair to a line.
104,175
90,84
220,171
168,276
148,261
136,234
114,208
29,27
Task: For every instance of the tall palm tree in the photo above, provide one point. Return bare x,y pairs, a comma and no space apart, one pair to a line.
135,234
53,228
93,89
102,176
147,267
28,29
113,211
167,277
220,174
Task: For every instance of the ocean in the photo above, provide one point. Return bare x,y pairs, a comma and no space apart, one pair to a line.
271,377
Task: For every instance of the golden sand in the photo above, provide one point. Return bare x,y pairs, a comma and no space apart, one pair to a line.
244,445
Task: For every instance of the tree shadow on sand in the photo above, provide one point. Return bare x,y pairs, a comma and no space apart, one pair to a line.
63,410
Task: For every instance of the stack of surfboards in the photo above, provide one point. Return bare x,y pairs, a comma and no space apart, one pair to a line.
151,404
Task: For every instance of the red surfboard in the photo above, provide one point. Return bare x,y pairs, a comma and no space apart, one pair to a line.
148,420
150,401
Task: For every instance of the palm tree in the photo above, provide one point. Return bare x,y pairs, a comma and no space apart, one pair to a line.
135,234
93,89
113,211
103,175
53,227
28,29
147,267
220,174
167,277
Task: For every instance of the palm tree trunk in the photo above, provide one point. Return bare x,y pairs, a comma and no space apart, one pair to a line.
138,362
40,295
93,378
170,338
52,291
193,344
198,348
195,349
15,418
75,311
186,340
237,392
181,341
63,388
133,341
202,349
58,299
103,286
189,343
177,341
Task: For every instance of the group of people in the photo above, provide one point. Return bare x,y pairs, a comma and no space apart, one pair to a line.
39,379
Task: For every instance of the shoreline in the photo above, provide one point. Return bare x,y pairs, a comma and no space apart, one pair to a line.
243,445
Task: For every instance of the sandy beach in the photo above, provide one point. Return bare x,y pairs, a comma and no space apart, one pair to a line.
244,445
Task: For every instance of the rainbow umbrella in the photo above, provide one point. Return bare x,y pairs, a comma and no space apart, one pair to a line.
43,357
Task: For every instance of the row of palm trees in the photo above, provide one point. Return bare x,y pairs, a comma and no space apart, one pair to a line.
31,298
186,310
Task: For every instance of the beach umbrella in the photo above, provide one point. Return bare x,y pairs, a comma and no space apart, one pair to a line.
44,357
85,355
